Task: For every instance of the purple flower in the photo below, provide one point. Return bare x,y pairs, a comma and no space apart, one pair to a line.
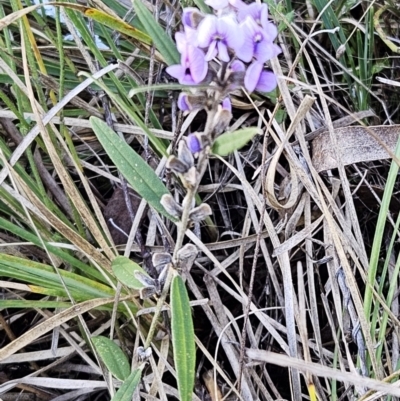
258,79
258,42
259,13
219,34
193,67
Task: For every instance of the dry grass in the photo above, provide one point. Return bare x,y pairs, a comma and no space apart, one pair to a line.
295,261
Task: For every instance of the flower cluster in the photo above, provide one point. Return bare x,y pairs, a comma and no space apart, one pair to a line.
238,35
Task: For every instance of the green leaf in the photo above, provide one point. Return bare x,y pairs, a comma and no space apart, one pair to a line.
112,356
182,338
124,269
138,173
127,389
231,141
117,24
163,42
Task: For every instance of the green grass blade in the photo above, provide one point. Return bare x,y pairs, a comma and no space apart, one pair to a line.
378,237
29,304
162,41
182,338
42,279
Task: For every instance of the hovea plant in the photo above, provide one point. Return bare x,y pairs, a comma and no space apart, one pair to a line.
223,52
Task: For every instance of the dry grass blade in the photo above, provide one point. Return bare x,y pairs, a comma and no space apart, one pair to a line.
322,371
51,323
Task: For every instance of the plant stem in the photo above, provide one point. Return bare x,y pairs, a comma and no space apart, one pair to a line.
183,224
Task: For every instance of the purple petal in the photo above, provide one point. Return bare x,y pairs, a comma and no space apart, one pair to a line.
187,16
250,27
249,31
238,4
277,50
252,76
180,39
237,66
217,4
270,31
227,105
264,15
252,10
212,50
205,31
191,36
183,103
197,64
264,51
223,52
267,82
246,51
193,143
177,71
187,80
229,29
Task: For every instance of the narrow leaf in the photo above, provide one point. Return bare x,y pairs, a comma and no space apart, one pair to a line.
163,42
127,389
138,173
124,269
231,141
182,338
112,356
203,6
117,24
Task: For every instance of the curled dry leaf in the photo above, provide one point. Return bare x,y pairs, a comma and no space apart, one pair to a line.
356,144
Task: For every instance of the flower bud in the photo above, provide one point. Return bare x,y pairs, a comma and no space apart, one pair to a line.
144,354
192,17
144,279
147,292
221,120
199,213
177,165
160,260
188,102
183,103
194,143
185,155
187,252
186,257
171,206
190,178
226,104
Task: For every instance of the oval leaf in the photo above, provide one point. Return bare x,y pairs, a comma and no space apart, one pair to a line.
182,338
112,356
127,389
137,172
163,42
231,141
124,270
